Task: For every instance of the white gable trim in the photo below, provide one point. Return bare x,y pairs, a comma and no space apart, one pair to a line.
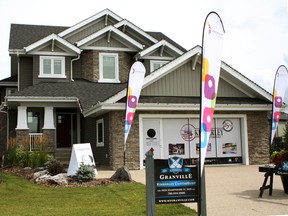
52,37
89,20
156,46
108,29
247,81
137,29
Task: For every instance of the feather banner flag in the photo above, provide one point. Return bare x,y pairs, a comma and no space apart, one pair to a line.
136,77
212,43
280,87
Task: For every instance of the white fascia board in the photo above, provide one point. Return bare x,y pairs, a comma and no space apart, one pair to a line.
156,46
89,20
105,30
49,38
40,99
176,107
135,28
8,84
247,81
16,51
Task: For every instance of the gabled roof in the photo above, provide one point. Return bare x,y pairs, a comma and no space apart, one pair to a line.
226,71
108,30
163,44
24,35
125,23
51,38
89,20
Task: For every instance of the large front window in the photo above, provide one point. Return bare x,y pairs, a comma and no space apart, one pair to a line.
52,67
108,63
33,122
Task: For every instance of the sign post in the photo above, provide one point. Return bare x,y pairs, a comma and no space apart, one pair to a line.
150,186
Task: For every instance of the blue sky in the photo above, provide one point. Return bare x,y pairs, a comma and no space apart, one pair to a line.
256,31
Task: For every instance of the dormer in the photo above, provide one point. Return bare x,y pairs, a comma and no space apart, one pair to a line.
159,54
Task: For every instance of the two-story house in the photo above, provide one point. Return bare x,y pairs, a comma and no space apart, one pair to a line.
69,84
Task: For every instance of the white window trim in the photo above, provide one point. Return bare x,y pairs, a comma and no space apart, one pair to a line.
98,122
52,75
101,78
152,62
10,88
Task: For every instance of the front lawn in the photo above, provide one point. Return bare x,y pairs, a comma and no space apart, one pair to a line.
19,196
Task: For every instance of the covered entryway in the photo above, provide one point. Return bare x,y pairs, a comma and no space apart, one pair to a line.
66,127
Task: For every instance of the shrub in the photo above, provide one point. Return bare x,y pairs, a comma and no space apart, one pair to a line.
21,156
85,173
55,167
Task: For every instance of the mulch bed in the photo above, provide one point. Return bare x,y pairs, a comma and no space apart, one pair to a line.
72,182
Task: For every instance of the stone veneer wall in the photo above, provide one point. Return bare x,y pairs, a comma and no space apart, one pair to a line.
258,137
49,140
22,136
90,65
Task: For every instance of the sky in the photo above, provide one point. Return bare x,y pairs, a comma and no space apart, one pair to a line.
256,31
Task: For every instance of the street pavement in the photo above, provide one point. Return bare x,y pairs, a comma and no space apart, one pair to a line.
233,190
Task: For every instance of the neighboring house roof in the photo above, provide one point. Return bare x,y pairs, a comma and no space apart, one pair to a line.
88,93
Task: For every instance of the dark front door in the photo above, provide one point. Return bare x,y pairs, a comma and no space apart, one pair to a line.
63,130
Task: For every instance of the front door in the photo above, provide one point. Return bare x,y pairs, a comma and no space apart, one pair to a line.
64,130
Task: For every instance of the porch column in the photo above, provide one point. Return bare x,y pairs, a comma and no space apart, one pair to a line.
22,118
48,118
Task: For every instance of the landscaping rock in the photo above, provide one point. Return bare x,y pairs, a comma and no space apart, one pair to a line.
122,174
43,179
60,179
39,174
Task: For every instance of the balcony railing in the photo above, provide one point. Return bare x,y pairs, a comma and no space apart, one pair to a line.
35,141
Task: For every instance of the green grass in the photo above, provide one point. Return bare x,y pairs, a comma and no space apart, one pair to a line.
19,196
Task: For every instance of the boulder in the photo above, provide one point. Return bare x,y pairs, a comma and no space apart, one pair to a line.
60,179
121,174
39,174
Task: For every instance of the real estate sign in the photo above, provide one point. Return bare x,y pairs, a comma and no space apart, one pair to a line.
175,183
81,153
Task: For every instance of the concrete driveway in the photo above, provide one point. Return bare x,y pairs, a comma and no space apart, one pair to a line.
233,190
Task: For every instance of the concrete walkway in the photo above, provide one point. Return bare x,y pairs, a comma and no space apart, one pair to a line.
233,190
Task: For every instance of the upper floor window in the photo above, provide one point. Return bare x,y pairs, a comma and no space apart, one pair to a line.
52,67
10,91
154,65
109,70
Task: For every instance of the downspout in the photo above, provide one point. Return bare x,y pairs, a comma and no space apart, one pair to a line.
18,71
71,73
7,124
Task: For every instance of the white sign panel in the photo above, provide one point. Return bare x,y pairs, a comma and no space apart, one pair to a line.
81,153
151,134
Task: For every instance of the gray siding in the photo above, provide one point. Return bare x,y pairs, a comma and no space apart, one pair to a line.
88,30
185,82
36,71
88,134
26,71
